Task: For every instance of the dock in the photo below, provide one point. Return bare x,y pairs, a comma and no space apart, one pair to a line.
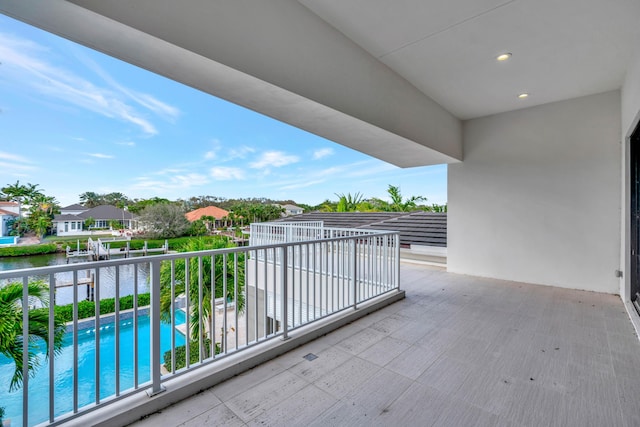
89,281
100,249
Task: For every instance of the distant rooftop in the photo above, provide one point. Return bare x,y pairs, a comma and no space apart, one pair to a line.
75,207
213,211
416,228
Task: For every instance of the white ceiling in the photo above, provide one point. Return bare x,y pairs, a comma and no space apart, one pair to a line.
561,49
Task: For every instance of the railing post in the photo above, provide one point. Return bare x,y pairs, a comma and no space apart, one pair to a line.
397,260
354,270
284,267
154,319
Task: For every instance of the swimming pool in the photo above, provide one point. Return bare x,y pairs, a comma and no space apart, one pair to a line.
8,240
63,391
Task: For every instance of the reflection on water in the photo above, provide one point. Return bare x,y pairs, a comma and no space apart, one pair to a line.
106,276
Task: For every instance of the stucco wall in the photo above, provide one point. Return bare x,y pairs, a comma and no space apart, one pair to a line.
537,197
630,97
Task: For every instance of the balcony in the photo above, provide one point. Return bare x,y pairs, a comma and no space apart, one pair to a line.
457,351
236,307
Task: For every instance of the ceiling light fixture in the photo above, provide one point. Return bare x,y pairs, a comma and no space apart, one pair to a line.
503,57
523,95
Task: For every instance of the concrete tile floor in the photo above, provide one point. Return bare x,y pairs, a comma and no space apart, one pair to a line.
458,351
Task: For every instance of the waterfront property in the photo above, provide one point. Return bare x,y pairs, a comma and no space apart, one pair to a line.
219,216
534,106
71,220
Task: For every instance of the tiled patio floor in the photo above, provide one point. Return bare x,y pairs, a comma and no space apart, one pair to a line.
458,351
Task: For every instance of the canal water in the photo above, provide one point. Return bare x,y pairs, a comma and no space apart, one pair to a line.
64,295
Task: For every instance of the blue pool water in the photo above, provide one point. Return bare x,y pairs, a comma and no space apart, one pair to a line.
63,391
7,240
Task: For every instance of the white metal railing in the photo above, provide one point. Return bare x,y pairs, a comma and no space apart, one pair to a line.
260,292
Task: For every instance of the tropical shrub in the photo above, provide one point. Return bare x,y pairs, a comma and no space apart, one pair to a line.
194,354
11,327
47,248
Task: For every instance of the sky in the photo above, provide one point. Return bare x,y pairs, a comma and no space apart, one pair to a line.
74,120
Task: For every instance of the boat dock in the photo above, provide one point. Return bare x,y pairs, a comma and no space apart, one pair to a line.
89,281
100,249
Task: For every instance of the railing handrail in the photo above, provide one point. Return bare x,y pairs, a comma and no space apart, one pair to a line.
9,274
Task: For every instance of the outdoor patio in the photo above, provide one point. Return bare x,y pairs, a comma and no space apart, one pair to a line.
458,351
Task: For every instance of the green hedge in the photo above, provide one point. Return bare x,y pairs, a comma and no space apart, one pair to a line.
87,309
194,354
47,248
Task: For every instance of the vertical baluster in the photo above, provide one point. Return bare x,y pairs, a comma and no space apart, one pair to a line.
75,341
285,286
224,296
187,293
52,304
116,319
212,333
235,294
265,293
97,335
200,307
173,316
25,350
136,351
154,322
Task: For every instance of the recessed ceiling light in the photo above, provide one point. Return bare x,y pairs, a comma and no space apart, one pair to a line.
503,57
523,95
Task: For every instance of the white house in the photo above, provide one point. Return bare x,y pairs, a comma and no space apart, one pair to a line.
290,209
8,212
71,220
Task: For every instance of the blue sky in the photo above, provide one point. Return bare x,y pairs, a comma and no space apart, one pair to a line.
75,120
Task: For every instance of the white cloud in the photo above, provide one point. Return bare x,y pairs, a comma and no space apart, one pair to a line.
13,157
127,143
14,164
323,152
275,159
101,155
173,182
302,184
24,64
210,155
238,152
222,173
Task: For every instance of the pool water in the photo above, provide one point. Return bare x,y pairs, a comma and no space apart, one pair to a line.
63,389
7,240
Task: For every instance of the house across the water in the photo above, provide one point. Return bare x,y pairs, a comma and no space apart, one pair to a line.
8,211
72,220
218,214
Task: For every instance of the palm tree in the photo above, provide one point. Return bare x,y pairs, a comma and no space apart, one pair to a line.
90,199
397,203
19,193
208,291
349,203
11,337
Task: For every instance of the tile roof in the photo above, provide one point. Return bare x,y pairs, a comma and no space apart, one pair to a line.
74,207
213,211
416,228
104,212
6,203
3,212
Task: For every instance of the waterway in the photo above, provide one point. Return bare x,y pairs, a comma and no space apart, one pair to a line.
107,276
